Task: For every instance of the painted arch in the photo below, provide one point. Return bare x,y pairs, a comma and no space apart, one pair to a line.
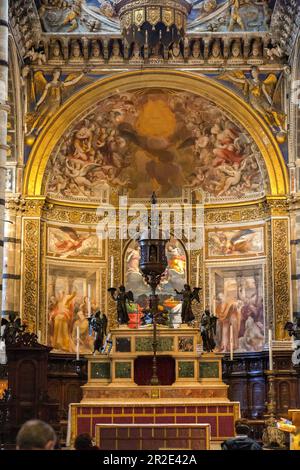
156,95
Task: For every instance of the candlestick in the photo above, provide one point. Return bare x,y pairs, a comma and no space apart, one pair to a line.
89,300
198,270
231,343
270,351
77,343
39,336
111,271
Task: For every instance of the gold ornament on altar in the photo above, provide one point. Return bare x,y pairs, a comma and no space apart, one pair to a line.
152,21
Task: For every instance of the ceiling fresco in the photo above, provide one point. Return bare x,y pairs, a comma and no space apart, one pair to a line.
205,15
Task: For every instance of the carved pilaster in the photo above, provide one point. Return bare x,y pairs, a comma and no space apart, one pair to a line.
114,249
281,276
31,261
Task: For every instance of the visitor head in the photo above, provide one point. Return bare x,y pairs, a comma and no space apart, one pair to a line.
84,442
36,435
242,428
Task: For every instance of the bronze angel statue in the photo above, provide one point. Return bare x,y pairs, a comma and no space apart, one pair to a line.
188,295
261,95
121,297
208,330
48,97
12,327
98,323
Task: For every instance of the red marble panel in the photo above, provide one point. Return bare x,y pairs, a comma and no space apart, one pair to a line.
134,433
117,410
222,409
196,433
143,419
212,420
83,425
170,409
122,433
183,432
103,420
212,409
108,444
138,410
159,409
165,419
179,409
201,409
128,410
128,444
108,433
107,410
159,444
148,410
147,433
123,420
226,426
198,444
179,444
185,419
159,433
171,433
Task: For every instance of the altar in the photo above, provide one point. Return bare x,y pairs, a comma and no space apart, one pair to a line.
196,394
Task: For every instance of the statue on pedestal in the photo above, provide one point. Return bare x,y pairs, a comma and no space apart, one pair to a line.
121,298
98,322
188,295
208,330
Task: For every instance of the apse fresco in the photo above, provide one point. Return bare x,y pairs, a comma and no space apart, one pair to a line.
69,242
173,278
68,288
239,242
155,140
238,301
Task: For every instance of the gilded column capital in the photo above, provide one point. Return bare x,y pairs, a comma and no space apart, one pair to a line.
34,206
278,206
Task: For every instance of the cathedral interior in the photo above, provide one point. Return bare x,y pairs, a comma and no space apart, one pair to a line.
104,103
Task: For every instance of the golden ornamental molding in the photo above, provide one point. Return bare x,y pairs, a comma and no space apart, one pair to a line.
281,276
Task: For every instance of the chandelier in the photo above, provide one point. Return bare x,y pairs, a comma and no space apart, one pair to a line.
150,22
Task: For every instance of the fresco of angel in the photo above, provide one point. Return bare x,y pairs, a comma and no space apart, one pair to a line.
66,242
262,95
48,96
247,241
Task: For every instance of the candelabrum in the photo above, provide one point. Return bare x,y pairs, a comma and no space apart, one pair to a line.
271,394
153,263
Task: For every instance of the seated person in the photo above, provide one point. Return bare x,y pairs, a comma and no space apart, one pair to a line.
84,442
241,441
36,435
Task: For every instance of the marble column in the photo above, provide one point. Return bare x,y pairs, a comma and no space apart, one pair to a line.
4,108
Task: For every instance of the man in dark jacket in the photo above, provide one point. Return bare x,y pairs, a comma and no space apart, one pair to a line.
241,441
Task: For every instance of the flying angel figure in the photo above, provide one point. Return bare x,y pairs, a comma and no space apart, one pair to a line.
261,94
48,97
68,242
